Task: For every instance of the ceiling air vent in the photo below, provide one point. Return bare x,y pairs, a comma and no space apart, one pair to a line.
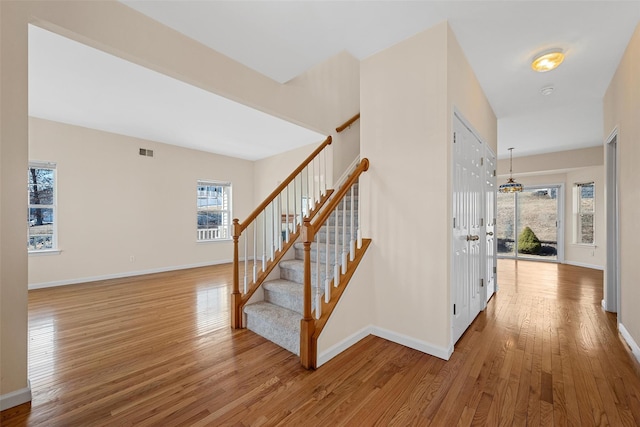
146,152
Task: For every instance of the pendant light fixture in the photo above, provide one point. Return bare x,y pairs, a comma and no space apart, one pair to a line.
511,186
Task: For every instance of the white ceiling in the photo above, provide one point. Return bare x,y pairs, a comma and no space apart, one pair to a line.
281,39
72,83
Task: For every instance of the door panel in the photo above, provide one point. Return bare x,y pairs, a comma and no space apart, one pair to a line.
490,220
468,245
460,277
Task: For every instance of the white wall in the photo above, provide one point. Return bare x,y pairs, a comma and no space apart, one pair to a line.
271,171
114,204
408,95
621,112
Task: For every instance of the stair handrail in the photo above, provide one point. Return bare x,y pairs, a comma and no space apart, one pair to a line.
319,197
308,350
347,123
253,215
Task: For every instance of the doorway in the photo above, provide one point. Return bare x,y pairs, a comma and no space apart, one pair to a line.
529,224
611,300
468,292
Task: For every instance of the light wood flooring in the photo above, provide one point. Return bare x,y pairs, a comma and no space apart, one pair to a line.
158,350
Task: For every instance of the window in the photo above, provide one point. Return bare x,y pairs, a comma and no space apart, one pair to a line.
584,212
214,211
41,216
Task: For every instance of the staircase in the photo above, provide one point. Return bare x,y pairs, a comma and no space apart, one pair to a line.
277,317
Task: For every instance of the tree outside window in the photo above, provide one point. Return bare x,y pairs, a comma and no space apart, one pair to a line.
41,215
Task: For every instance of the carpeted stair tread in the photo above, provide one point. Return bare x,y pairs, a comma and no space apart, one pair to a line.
277,324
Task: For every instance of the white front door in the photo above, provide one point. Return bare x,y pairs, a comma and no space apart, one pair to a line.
468,211
490,221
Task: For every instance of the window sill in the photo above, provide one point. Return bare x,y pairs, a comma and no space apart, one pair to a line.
585,245
45,252
214,241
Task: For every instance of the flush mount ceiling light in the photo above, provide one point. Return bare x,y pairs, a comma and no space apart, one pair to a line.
547,60
510,186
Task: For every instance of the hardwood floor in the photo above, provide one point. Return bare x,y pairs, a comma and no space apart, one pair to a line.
158,350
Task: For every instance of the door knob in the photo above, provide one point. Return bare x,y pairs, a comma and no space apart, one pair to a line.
489,233
472,238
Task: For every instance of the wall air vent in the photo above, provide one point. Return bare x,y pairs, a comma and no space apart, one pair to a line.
146,152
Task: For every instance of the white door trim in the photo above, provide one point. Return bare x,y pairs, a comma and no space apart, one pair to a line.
611,290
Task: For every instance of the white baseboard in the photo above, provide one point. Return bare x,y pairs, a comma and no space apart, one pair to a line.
338,348
585,265
407,341
424,347
16,398
630,341
123,274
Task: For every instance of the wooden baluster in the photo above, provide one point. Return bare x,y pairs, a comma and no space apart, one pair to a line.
352,240
255,250
287,231
336,256
313,184
344,235
327,287
246,263
279,223
318,281
359,232
325,172
271,234
264,240
295,205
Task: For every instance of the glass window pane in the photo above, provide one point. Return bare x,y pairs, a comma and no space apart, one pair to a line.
40,235
537,223
586,228
41,186
505,223
213,211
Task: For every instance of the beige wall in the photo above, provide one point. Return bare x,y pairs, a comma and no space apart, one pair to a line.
408,95
270,172
568,168
320,100
561,161
622,112
114,203
13,158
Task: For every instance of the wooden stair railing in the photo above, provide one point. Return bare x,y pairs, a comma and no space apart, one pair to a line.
275,225
310,327
347,123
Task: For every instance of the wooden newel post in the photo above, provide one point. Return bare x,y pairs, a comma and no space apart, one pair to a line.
307,324
236,297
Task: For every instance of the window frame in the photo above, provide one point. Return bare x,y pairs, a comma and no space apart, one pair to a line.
54,207
226,235
579,212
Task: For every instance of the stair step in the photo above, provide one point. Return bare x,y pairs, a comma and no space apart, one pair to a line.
293,270
277,324
287,294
